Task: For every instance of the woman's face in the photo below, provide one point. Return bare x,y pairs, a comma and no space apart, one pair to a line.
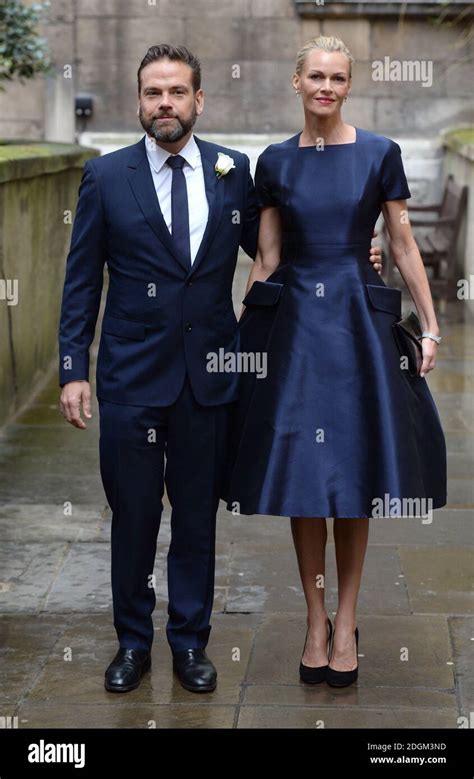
324,82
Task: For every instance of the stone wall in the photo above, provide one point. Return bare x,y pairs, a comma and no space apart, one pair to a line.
105,41
38,184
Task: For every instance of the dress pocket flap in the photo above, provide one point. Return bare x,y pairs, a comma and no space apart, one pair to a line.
124,328
385,298
263,293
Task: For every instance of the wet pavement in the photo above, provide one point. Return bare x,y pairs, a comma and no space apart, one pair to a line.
416,605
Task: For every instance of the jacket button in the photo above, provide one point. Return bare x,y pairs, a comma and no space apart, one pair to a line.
189,283
188,327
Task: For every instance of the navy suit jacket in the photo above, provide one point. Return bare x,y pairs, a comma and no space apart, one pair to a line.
161,318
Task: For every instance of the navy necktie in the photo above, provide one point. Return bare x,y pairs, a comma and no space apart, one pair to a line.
179,208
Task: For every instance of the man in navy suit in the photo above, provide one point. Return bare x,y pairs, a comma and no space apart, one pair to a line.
168,227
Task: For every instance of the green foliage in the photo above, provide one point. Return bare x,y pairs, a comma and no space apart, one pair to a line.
23,54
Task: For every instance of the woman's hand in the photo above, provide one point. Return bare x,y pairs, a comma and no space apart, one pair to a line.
429,348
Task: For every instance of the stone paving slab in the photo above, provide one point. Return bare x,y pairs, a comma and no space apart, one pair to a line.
439,580
383,644
128,716
80,678
343,717
264,577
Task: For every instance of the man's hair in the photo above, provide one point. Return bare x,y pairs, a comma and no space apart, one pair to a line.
178,53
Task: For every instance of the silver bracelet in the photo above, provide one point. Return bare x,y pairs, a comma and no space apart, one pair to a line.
433,337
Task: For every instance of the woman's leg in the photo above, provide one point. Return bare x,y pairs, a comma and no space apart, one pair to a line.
350,538
309,537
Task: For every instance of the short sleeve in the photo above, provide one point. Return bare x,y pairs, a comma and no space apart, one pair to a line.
394,182
265,184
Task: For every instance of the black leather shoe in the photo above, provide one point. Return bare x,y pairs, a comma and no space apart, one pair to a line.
195,671
317,674
126,669
344,678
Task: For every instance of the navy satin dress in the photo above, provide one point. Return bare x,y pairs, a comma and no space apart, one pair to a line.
336,428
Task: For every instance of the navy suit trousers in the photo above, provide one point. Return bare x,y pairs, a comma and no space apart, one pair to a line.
142,449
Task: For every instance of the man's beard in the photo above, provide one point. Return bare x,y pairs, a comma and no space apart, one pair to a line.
165,133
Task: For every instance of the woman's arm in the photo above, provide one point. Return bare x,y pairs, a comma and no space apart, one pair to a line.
408,260
268,254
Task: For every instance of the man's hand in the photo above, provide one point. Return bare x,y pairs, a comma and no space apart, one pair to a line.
375,256
73,394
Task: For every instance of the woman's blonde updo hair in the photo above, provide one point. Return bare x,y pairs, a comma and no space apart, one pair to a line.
325,43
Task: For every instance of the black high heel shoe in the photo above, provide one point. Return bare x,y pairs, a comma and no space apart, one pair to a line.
315,675
343,678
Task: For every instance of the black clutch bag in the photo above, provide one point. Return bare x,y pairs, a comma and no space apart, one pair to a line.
256,322
407,332
263,293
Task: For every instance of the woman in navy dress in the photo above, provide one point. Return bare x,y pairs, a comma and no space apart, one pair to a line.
338,427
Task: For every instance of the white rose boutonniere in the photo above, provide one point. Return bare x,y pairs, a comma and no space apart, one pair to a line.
223,165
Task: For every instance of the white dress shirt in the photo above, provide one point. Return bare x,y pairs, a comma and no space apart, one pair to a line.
198,207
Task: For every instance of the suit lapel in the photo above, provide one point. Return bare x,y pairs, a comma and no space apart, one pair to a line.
141,182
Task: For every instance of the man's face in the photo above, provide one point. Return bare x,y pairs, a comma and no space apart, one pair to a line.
168,107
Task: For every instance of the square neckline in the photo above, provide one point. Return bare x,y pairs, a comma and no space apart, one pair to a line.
328,145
